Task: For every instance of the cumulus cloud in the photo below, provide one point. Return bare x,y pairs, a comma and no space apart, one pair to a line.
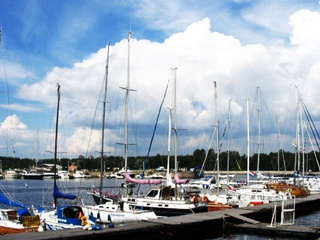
202,56
13,122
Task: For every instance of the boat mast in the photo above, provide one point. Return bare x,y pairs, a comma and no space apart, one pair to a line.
175,126
278,154
248,143
56,142
126,109
259,129
127,89
168,177
302,146
103,124
228,152
217,131
298,135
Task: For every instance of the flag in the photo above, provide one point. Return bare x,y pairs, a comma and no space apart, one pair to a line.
231,188
251,173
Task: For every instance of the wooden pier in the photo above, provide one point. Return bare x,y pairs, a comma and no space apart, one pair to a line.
200,226
289,231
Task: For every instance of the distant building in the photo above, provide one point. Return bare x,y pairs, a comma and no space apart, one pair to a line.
72,168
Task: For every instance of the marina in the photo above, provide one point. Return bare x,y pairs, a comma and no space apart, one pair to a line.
209,225
152,156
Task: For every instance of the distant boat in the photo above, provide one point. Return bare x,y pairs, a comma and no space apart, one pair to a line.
294,190
78,174
63,174
31,174
11,174
120,174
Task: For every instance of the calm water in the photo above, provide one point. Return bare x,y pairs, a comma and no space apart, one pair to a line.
39,193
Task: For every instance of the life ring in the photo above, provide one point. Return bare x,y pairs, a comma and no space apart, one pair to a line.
289,190
204,198
84,221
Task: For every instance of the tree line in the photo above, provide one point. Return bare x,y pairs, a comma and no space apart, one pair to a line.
282,160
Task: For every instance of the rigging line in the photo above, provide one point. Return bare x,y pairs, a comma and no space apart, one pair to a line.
6,90
50,128
314,152
207,152
223,134
154,130
153,133
94,118
313,128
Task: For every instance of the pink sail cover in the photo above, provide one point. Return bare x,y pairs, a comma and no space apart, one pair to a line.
129,179
177,180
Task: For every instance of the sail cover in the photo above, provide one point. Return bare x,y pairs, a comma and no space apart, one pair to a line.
58,194
7,201
129,179
177,180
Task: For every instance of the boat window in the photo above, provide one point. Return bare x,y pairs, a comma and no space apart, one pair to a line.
152,193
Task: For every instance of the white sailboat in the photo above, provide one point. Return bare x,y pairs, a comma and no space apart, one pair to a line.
168,199
110,210
65,216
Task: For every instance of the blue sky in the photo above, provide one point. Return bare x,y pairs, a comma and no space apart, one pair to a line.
240,44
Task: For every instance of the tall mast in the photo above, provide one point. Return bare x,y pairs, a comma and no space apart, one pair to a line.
168,177
228,152
248,142
174,72
175,120
103,124
56,142
278,155
126,108
217,132
259,129
127,89
298,135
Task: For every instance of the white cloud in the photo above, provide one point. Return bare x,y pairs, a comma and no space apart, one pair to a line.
202,56
13,122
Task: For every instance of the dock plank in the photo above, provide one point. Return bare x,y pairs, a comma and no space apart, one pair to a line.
243,218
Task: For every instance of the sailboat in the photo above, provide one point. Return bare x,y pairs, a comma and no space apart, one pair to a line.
169,199
14,216
14,220
109,210
66,216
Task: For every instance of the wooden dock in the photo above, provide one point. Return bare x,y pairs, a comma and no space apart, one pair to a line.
200,226
289,231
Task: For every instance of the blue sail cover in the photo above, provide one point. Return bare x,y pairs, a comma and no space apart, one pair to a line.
58,194
6,201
